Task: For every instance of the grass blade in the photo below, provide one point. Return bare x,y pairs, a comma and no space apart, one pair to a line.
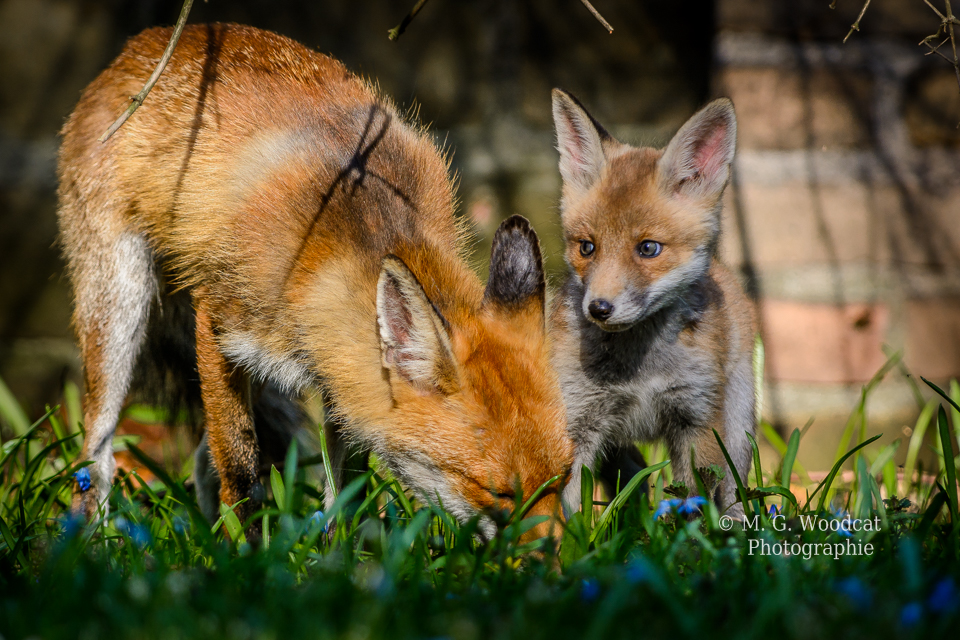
177,491
533,497
942,393
758,367
289,474
11,411
607,516
586,495
756,459
279,491
886,455
71,400
950,465
916,441
833,472
230,521
331,486
789,458
741,490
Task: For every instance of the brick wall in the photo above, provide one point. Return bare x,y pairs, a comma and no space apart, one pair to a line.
845,208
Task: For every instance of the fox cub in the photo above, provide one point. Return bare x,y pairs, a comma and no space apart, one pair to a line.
653,336
310,230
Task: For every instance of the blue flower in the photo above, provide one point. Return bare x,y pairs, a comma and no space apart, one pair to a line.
315,519
691,505
773,511
589,590
856,591
945,598
686,507
845,528
910,614
82,477
179,524
71,523
638,570
666,506
140,535
137,533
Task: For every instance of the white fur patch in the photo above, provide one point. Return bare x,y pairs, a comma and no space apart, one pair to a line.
287,372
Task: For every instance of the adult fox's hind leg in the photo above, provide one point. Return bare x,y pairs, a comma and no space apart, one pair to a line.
115,282
228,417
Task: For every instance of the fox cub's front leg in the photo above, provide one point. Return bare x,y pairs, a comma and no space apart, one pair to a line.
230,435
696,448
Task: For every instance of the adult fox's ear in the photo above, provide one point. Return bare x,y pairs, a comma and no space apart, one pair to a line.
697,161
414,338
517,285
580,141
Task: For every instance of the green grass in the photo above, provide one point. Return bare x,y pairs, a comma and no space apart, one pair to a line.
395,568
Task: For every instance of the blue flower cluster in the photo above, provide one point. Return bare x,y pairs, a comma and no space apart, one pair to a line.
71,524
589,589
683,507
944,599
137,533
315,519
854,589
82,476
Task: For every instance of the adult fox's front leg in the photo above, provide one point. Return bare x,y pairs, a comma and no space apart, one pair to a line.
225,390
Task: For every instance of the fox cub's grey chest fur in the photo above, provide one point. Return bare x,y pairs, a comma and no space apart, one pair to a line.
640,384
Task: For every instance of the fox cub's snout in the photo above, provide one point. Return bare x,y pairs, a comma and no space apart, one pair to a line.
654,336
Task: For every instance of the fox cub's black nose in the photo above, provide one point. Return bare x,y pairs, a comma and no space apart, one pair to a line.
600,309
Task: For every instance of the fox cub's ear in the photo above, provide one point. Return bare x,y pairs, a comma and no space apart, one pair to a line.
414,343
697,160
517,283
580,141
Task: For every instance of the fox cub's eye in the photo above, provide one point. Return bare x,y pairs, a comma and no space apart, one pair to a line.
586,248
649,249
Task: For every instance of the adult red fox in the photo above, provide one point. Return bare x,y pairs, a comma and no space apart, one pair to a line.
654,338
313,230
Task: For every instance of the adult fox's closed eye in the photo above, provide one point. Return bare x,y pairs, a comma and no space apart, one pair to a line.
271,211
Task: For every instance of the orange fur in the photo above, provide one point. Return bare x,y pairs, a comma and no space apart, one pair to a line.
272,183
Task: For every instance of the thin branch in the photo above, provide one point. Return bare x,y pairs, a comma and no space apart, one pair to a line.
942,17
936,49
950,19
138,99
596,14
856,25
394,33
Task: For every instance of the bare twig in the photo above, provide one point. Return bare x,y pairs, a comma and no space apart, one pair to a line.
935,10
394,33
949,21
946,28
856,25
936,49
138,99
596,14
